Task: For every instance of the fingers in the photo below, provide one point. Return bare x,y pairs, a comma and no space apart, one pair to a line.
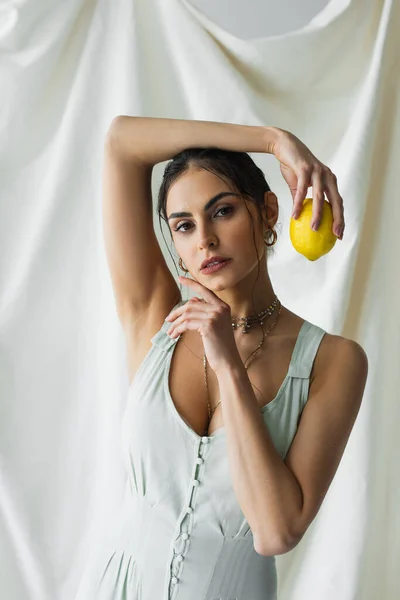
336,201
322,181
318,198
303,183
324,178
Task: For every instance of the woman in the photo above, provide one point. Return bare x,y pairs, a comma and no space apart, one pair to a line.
233,435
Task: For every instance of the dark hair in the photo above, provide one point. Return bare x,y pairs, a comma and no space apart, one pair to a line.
237,169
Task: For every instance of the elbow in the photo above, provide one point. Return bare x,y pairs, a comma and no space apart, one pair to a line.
114,128
121,139
280,545
121,121
117,121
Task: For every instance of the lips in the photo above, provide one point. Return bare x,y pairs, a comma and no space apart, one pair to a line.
216,267
214,259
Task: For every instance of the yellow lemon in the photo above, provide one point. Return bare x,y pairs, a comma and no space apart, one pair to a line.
312,244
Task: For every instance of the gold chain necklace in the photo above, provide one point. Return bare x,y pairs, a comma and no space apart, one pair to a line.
211,412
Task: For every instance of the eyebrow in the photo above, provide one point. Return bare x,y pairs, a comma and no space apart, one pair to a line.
207,206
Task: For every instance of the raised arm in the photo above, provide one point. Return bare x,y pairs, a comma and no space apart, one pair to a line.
143,285
133,146
152,140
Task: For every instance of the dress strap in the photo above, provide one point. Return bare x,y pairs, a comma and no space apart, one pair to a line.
161,338
305,350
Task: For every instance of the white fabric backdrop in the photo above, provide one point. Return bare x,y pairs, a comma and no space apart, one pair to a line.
66,70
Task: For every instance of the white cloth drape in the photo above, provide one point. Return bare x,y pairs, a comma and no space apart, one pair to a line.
67,68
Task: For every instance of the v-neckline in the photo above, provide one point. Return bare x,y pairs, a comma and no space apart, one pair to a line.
221,429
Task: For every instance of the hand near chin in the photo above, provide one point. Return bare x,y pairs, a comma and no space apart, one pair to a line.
211,317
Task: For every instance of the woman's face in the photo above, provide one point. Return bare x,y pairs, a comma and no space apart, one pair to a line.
223,228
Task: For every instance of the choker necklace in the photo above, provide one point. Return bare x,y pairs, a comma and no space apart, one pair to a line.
247,322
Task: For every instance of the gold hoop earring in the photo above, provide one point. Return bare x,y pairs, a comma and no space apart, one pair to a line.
182,267
274,236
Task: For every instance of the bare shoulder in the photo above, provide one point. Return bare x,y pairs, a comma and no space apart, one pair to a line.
334,401
340,358
334,353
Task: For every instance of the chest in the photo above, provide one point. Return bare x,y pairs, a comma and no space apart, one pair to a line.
187,386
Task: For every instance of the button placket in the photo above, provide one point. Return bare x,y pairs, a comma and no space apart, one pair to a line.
182,541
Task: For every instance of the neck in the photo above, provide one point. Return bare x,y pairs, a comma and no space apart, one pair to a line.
250,296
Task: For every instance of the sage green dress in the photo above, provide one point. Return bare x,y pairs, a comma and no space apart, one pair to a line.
181,534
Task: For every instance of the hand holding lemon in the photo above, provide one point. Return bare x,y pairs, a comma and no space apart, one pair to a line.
312,244
316,223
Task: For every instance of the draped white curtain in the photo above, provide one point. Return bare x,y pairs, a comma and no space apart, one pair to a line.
66,69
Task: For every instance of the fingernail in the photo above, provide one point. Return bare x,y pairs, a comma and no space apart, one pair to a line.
339,231
315,226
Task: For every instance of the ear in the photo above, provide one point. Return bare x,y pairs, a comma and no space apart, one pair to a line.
270,211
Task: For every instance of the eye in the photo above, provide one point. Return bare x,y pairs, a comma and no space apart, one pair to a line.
182,223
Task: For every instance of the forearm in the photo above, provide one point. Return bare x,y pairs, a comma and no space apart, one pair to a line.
153,140
266,489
